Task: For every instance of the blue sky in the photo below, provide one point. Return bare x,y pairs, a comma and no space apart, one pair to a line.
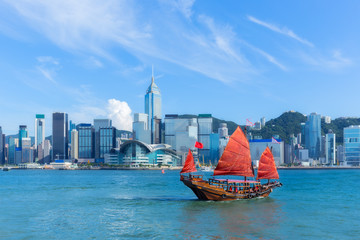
237,60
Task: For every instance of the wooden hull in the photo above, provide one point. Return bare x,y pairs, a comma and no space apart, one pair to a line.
204,191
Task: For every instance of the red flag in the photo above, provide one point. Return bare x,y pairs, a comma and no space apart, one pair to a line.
199,145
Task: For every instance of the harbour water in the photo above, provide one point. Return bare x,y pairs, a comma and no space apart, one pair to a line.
49,204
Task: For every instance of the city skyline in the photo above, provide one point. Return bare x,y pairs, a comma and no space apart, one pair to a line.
268,59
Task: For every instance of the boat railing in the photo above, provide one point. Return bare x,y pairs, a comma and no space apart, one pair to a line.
235,187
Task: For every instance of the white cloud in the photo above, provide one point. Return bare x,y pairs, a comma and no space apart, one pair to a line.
94,27
185,6
48,66
120,113
283,30
334,61
47,59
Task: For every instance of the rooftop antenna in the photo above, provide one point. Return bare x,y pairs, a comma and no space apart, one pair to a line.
152,74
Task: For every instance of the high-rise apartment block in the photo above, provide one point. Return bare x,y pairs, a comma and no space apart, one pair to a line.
60,136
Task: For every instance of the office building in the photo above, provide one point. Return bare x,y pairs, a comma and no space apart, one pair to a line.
257,147
303,130
107,140
60,136
26,151
74,144
13,144
330,141
86,142
223,130
340,155
352,145
18,155
257,126
46,151
214,148
100,123
153,110
140,128
39,129
72,126
313,135
180,133
2,144
23,133
327,119
205,122
263,122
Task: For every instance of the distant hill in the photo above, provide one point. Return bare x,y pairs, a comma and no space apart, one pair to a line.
337,126
284,125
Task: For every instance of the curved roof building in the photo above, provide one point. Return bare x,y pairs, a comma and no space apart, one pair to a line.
136,153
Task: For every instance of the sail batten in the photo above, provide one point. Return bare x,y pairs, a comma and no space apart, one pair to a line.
267,168
189,165
236,159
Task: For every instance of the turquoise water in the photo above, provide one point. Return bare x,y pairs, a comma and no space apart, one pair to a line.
40,204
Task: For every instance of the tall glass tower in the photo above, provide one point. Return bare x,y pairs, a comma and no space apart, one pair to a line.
313,135
153,109
60,135
23,133
39,129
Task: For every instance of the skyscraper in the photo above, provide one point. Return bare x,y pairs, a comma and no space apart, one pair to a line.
2,156
107,140
140,128
313,135
60,136
23,133
352,145
223,130
13,143
330,148
205,129
100,123
26,151
153,110
74,144
39,129
86,141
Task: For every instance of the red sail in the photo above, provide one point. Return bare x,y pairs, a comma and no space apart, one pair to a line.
189,165
236,159
267,167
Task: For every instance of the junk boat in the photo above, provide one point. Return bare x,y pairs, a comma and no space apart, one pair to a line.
236,160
